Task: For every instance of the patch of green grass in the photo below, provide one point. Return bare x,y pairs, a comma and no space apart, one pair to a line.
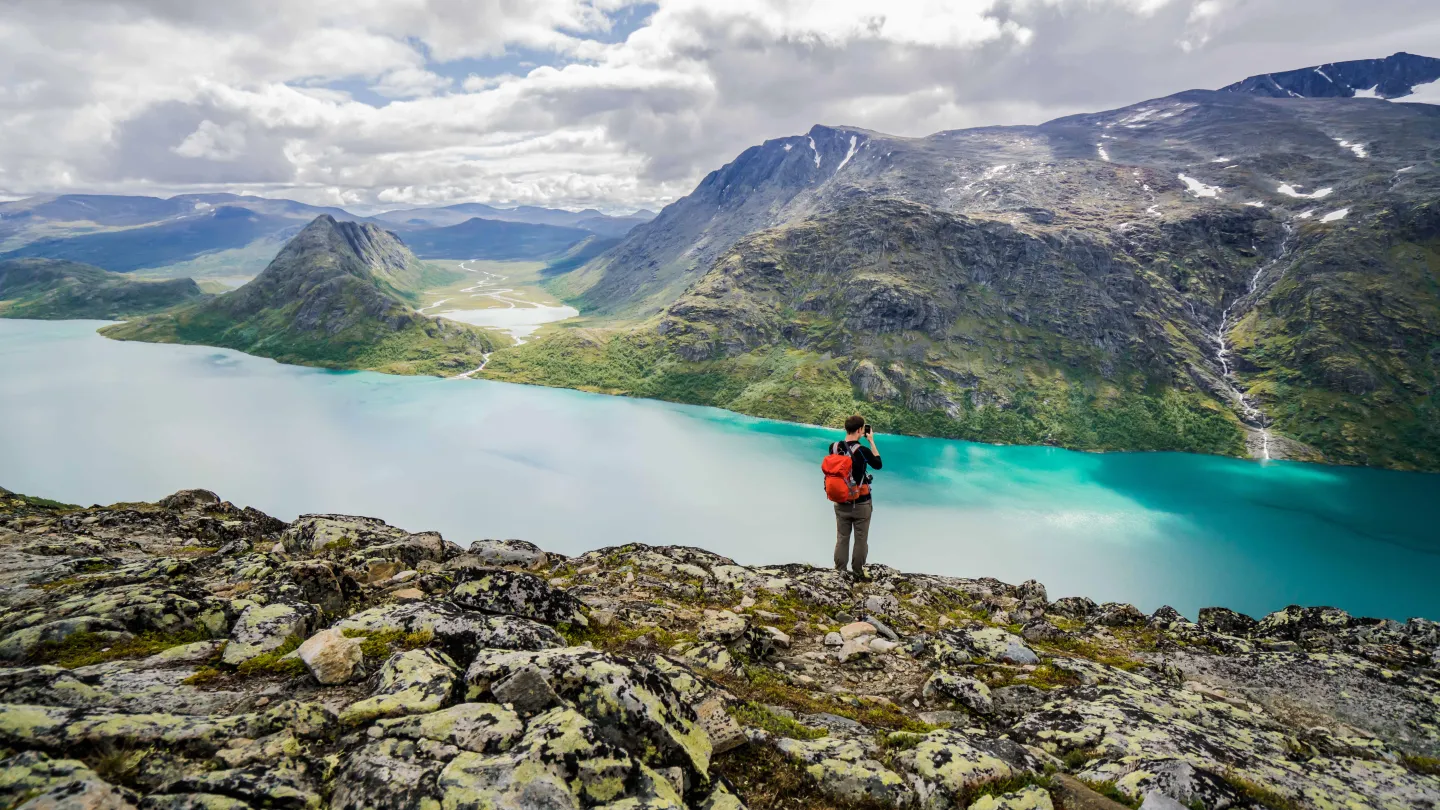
1079,758
754,714
763,777
999,787
1430,766
204,675
617,636
274,662
1045,676
85,648
1110,791
377,645
1259,794
763,686
1100,654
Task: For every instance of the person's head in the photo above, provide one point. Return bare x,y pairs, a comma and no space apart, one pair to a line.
854,424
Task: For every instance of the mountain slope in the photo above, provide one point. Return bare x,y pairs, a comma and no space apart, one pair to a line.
53,289
1219,271
1394,77
336,296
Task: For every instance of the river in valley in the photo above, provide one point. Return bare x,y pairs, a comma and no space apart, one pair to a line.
88,420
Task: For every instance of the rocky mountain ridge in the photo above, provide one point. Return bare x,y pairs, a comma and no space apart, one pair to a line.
1232,272
1394,77
190,653
340,295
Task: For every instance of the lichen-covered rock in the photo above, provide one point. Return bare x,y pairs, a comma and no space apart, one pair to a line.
55,729
947,763
1166,616
392,774
1296,623
517,593
722,626
968,692
34,781
707,655
1030,798
310,534
957,646
1074,607
262,628
507,552
483,728
1119,614
1225,621
331,656
461,632
526,690
845,770
632,705
1041,631
562,761
411,682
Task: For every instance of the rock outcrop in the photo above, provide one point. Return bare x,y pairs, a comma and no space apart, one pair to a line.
191,654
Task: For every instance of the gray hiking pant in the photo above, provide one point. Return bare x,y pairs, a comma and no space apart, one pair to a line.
852,516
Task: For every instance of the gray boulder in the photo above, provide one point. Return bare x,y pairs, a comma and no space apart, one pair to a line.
517,593
411,682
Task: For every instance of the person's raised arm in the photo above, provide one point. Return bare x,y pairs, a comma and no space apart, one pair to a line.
874,454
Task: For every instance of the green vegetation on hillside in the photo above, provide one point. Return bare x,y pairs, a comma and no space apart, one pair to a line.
52,289
802,386
337,296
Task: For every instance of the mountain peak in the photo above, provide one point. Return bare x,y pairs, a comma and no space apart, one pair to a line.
1394,77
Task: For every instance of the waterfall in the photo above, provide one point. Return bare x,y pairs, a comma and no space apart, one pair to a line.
1249,412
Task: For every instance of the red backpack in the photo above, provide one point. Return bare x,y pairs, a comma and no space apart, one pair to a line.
839,469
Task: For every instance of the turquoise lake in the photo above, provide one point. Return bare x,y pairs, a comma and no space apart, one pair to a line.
89,420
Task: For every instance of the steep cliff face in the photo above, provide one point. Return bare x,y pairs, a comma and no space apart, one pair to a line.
337,295
1267,262
53,289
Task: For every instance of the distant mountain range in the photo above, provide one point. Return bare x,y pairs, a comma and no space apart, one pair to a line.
238,235
338,295
54,289
1242,271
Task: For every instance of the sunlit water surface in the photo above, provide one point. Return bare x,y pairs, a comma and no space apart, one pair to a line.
85,419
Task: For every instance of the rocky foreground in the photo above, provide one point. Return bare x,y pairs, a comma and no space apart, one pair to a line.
191,654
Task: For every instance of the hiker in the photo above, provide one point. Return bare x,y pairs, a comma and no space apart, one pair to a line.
849,487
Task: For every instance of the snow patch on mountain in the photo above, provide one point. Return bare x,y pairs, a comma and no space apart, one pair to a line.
1335,216
1428,93
1198,188
1370,93
848,155
1104,155
1319,194
816,151
1358,148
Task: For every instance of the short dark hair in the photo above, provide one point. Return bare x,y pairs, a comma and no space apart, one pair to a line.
854,423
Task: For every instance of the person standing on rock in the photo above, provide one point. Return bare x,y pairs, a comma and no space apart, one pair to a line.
848,485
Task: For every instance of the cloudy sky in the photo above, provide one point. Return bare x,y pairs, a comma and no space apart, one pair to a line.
575,103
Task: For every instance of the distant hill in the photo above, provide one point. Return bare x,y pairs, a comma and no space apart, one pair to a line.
448,215
477,238
166,242
52,289
338,295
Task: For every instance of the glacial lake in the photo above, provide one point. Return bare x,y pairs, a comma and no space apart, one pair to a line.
89,420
